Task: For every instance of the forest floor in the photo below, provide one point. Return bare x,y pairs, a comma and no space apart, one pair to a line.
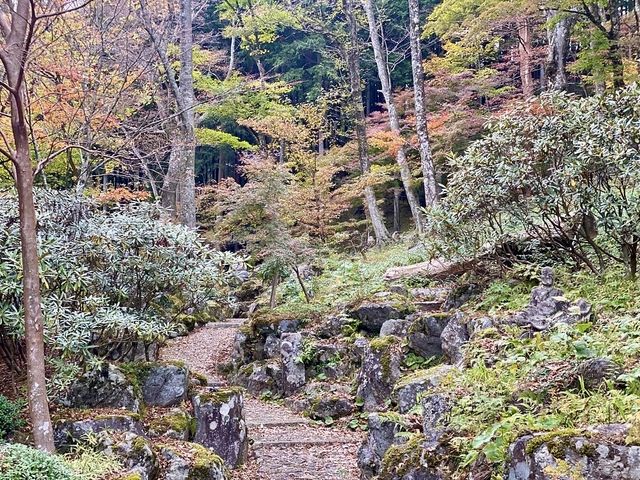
284,445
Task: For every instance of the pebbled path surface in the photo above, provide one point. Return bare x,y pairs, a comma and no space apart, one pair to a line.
285,445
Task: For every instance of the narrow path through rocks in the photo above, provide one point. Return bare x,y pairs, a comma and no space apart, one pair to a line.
285,445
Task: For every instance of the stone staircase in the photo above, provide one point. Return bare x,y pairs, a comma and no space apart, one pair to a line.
285,445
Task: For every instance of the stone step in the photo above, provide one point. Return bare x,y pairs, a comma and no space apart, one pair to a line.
309,442
278,423
226,324
430,306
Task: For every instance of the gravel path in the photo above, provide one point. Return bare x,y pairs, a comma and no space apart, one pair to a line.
285,446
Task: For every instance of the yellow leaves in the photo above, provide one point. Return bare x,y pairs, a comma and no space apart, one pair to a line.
386,141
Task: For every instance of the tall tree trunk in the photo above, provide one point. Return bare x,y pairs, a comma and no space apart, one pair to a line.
524,51
186,198
13,55
178,189
396,209
394,121
557,50
426,159
232,58
375,215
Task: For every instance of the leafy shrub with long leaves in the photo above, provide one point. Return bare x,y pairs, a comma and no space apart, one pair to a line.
113,282
560,172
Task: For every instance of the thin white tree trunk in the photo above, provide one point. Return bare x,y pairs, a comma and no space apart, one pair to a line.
417,69
371,204
394,120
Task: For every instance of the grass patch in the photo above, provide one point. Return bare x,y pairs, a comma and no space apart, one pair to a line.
345,280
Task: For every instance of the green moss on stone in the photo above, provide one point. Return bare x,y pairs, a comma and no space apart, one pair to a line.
402,459
220,396
556,441
381,343
174,421
203,461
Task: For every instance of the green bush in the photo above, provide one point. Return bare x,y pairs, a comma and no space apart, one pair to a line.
111,280
560,175
10,416
20,462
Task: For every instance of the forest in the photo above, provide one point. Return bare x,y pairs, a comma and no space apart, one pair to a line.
331,240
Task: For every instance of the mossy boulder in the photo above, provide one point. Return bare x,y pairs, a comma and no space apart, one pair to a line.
382,433
134,452
372,314
175,423
190,461
412,386
454,337
379,371
75,429
423,335
260,376
599,453
407,461
104,387
160,384
293,369
220,424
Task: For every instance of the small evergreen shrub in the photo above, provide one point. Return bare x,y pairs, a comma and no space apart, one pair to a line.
20,462
10,418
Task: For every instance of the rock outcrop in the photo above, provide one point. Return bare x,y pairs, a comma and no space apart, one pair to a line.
548,306
372,315
220,424
453,337
104,387
410,388
190,461
135,454
379,372
165,385
71,432
601,453
382,434
293,369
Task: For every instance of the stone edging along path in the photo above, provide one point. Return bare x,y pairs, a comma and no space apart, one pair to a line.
285,445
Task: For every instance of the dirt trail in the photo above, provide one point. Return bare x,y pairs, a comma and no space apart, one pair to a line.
285,445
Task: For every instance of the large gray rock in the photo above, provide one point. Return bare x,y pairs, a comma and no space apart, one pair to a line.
165,385
135,454
410,388
597,371
272,346
259,377
548,306
190,461
407,461
454,337
381,435
104,387
67,433
599,454
395,327
372,315
239,353
333,326
220,424
435,408
424,335
379,371
293,369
